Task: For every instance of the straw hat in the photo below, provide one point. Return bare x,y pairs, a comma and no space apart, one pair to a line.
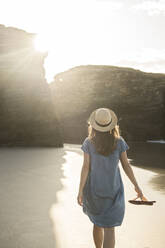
103,119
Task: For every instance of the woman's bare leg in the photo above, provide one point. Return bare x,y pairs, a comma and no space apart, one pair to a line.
98,236
109,237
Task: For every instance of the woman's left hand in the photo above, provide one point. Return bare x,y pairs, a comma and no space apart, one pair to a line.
80,199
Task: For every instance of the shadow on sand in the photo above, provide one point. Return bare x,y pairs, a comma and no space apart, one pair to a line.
150,156
29,181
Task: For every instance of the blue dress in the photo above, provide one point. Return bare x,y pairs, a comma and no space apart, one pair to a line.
103,193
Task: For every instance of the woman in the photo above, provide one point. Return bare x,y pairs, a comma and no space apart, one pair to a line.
101,190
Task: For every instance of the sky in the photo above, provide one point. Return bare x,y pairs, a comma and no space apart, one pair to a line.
128,33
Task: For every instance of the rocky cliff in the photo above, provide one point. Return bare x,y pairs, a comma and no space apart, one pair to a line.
27,115
138,98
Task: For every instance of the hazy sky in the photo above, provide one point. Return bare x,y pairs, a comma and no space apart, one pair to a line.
80,32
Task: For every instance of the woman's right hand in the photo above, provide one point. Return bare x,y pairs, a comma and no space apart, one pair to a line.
139,193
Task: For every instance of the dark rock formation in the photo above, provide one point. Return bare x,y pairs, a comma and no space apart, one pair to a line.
27,115
138,98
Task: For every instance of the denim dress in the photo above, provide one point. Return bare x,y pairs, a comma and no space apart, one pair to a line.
103,193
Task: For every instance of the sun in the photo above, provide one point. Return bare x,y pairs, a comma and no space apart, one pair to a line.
41,43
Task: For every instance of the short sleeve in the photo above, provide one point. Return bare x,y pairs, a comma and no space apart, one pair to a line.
123,145
85,146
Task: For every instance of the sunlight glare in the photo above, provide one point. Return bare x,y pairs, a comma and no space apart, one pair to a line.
41,43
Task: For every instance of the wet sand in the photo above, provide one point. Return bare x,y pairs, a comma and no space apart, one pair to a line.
38,189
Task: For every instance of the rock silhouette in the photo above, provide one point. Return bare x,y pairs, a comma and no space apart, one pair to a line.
138,98
27,115
33,113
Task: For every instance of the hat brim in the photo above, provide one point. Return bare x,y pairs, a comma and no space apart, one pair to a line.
103,129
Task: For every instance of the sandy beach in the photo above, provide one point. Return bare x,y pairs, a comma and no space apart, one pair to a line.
38,191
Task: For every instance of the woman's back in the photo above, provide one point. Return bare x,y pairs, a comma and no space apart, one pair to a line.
105,172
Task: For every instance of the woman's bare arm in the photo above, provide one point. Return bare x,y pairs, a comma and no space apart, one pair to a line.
129,172
84,175
127,168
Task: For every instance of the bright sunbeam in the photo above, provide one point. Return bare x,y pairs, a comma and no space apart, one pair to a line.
41,43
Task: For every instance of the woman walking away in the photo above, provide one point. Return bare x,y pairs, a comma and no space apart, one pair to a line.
101,189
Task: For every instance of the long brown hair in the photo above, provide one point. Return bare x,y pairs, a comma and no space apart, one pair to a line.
104,142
